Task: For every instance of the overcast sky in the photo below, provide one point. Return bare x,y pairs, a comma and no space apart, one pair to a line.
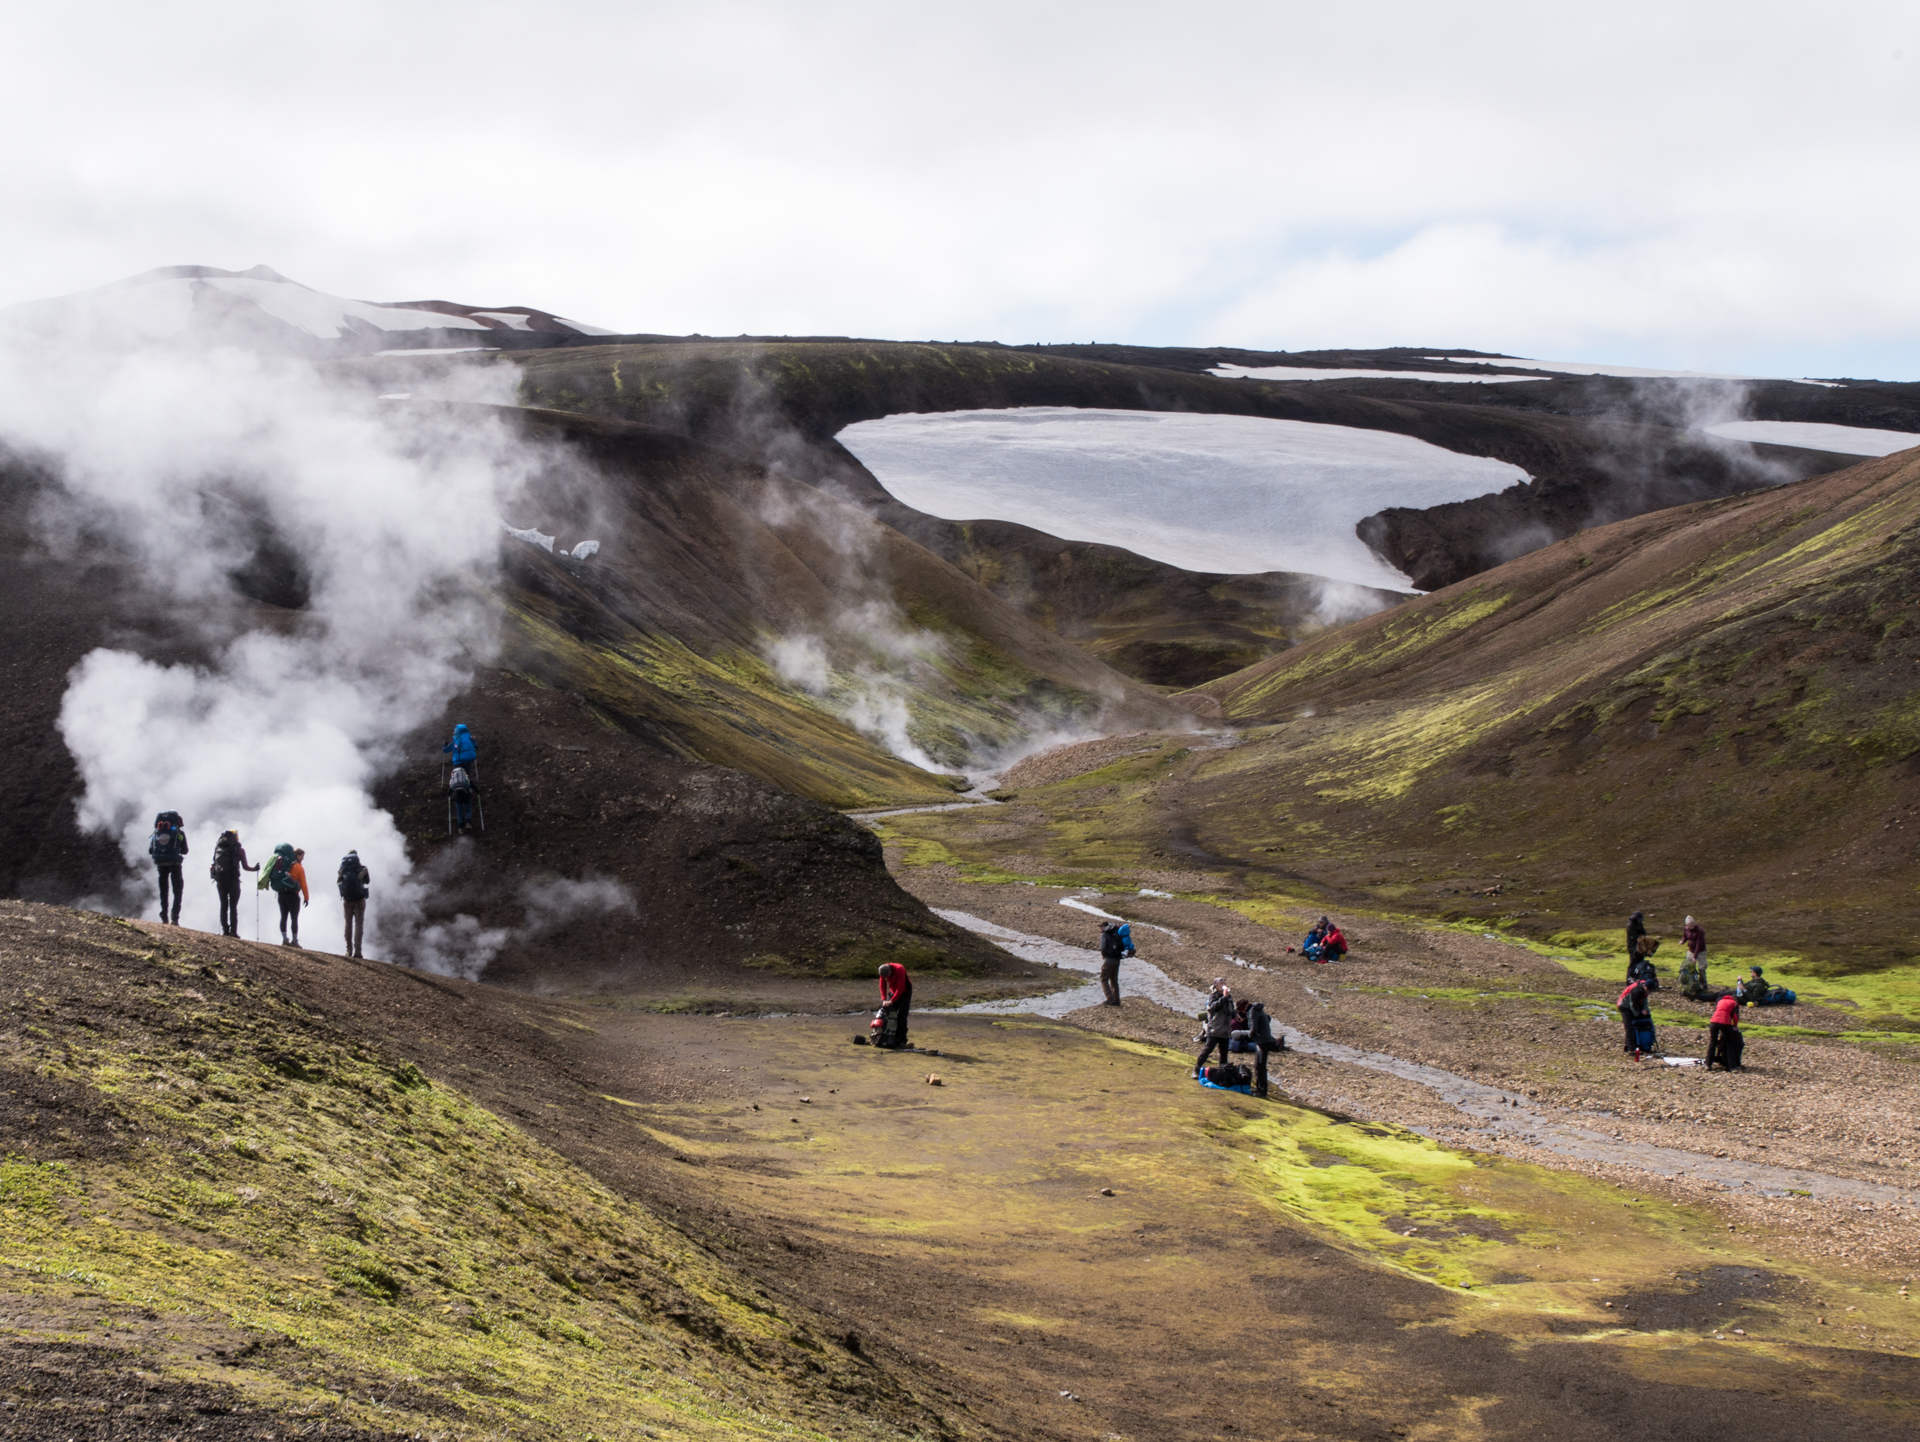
1728,187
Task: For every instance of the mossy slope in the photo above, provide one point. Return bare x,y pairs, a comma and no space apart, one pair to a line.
395,1254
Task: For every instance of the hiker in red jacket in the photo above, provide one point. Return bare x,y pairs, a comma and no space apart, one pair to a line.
896,998
1725,1044
1638,1019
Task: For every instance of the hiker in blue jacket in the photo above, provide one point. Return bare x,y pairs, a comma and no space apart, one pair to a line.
461,751
168,848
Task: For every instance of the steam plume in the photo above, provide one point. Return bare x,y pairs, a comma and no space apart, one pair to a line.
380,523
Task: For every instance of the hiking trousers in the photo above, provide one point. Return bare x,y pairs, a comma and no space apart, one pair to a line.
1207,1051
1110,980
170,877
289,913
356,923
229,905
1725,1045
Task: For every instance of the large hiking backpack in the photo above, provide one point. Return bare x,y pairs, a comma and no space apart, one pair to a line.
459,783
226,858
165,845
352,888
1230,1075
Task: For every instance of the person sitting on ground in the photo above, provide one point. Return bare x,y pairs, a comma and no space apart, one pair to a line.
1239,1037
896,1000
1112,948
462,752
1218,1028
229,860
1725,1044
1330,946
1756,990
1314,933
1637,1017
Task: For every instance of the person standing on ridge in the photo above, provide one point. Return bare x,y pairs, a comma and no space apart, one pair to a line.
229,860
1112,948
353,879
288,879
168,848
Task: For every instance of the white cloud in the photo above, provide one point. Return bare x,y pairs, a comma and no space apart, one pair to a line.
1707,186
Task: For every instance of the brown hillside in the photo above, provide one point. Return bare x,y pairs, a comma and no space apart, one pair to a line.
1709,709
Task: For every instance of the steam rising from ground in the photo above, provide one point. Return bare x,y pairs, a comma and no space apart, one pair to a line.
200,467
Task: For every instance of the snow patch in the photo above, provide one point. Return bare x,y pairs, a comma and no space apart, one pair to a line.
1208,493
1589,368
1309,373
1818,436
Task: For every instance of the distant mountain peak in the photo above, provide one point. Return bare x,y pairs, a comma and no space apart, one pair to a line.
262,309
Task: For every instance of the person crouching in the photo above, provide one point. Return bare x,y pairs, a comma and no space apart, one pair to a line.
896,1000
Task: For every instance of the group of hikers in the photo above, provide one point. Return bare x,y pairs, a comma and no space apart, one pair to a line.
1725,1045
285,875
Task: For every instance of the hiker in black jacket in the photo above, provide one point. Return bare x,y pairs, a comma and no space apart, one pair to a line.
1219,1025
229,860
1258,1035
1112,947
168,848
353,881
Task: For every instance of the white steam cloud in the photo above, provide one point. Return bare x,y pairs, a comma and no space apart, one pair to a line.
382,518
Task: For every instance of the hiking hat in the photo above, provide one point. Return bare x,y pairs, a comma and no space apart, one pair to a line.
1689,921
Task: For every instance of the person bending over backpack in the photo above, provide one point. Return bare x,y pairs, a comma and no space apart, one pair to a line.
896,1000
353,880
168,848
1638,1017
229,860
1725,1044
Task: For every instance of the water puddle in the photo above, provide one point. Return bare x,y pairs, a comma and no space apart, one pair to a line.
1137,977
1501,1114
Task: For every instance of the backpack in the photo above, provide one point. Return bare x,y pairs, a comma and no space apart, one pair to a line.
352,888
459,783
279,875
1230,1075
165,847
226,858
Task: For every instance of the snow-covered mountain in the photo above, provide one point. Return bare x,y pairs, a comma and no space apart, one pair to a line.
262,308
